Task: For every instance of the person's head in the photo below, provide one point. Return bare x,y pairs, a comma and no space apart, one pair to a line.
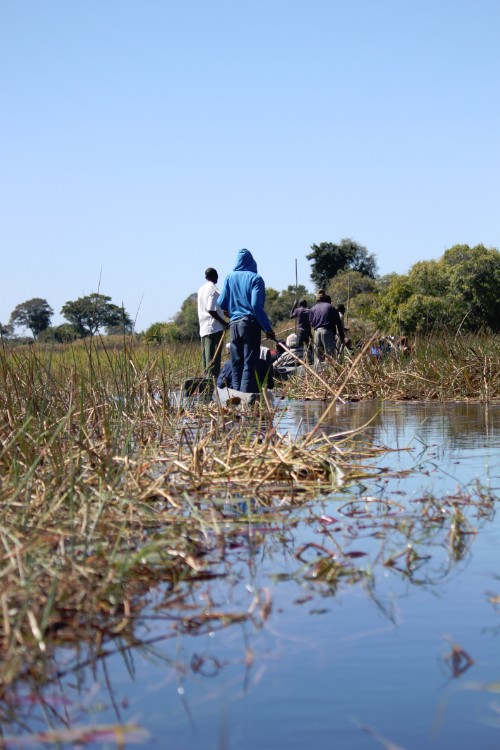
245,261
327,298
211,275
292,341
302,303
341,308
320,295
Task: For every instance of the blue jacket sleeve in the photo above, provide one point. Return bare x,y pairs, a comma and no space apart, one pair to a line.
223,298
258,300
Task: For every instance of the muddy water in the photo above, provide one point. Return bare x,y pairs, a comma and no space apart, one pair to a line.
401,646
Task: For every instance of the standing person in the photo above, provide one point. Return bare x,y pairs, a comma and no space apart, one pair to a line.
325,321
341,312
338,329
212,324
243,295
301,312
341,344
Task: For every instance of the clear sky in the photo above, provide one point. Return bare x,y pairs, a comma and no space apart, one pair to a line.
144,140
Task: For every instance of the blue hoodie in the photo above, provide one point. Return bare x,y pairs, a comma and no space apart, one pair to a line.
244,291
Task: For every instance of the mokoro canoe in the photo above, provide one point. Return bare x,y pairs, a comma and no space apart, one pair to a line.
225,395
195,386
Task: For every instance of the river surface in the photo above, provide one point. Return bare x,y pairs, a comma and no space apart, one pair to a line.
400,651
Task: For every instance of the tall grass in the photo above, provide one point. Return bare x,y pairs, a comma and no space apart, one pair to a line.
443,368
111,483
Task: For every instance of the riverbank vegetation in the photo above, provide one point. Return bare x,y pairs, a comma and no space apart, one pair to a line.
436,368
458,293
113,486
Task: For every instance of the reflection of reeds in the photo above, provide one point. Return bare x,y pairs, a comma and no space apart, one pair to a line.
113,486
439,368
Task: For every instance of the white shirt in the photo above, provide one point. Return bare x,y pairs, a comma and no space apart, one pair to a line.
208,294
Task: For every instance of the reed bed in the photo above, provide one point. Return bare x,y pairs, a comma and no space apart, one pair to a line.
113,486
443,368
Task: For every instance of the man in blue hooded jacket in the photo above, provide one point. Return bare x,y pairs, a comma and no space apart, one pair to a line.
243,295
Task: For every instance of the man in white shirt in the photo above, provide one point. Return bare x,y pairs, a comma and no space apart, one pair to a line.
212,324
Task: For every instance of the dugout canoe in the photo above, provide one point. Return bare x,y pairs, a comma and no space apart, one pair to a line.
230,395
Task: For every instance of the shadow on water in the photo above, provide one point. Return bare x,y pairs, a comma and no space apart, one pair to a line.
368,618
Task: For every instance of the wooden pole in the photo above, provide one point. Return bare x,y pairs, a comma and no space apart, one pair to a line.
296,287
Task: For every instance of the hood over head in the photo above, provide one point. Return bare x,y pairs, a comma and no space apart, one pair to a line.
245,261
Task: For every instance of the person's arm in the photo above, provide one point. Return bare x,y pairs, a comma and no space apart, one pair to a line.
294,307
257,300
214,308
218,318
340,326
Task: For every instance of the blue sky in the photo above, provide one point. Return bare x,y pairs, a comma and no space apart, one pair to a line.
144,141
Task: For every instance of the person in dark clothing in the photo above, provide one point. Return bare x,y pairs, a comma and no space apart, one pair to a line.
301,312
243,295
326,322
225,377
264,370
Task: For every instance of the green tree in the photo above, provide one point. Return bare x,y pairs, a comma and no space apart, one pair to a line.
6,331
163,332
461,291
34,314
90,313
474,285
279,304
62,334
187,318
347,285
328,259
124,326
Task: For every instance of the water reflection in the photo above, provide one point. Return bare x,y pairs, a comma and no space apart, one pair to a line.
459,425
314,621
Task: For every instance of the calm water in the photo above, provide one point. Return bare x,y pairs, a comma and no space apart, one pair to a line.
349,664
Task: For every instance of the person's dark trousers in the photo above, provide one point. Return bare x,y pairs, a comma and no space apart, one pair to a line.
245,352
209,345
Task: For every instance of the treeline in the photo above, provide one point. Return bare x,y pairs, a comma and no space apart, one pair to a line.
460,292
85,316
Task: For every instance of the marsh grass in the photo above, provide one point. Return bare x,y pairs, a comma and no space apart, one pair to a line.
114,486
111,484
444,368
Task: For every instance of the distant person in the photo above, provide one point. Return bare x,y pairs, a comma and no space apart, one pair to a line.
326,323
288,359
225,379
212,324
243,295
264,372
341,345
380,348
300,311
404,346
